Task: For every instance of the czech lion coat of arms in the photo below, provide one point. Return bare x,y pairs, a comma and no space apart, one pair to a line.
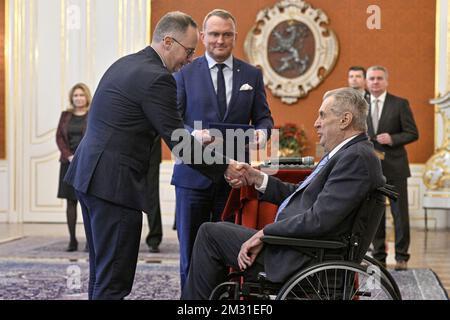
293,47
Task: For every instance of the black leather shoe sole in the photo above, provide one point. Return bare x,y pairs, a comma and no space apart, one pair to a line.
154,249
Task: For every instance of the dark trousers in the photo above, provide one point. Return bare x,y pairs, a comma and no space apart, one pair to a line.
400,215
155,234
113,234
193,208
215,251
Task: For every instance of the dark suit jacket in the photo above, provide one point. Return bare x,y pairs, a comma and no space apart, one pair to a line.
156,152
325,207
62,136
135,100
197,101
397,120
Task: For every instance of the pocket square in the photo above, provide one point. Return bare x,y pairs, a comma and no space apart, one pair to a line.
246,87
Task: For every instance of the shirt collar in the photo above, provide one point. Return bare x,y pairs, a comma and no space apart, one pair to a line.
212,62
381,98
339,146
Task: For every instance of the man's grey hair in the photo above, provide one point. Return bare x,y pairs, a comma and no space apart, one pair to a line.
380,68
224,14
173,24
350,100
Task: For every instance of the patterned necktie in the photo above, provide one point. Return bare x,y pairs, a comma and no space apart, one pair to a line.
221,91
375,113
321,164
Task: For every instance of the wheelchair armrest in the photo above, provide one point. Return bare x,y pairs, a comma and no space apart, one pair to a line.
305,243
388,191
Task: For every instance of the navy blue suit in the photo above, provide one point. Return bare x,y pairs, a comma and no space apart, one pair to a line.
135,101
198,199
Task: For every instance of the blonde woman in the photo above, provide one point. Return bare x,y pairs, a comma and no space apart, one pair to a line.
71,128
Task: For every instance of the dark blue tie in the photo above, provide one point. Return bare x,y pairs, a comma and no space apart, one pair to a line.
221,91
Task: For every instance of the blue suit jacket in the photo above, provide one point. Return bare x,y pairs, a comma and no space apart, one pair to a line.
197,101
135,101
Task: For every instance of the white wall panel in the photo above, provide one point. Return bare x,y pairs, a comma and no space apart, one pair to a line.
167,193
4,190
53,44
44,186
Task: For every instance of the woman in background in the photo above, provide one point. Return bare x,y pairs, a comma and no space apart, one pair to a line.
71,128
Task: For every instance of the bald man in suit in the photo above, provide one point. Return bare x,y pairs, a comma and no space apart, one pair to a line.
134,102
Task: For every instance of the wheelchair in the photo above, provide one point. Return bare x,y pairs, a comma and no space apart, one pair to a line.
340,270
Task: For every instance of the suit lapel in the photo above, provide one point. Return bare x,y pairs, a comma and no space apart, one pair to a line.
237,77
369,121
357,139
206,79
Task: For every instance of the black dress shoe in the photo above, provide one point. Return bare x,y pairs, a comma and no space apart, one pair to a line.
73,246
401,265
154,249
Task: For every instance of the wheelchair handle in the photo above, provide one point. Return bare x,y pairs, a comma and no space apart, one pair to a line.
388,191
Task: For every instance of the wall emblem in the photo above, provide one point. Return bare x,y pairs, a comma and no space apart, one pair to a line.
292,45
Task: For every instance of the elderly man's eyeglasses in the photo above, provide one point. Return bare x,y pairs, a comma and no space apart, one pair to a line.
189,51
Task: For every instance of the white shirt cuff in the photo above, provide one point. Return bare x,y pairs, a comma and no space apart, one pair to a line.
197,134
262,138
263,186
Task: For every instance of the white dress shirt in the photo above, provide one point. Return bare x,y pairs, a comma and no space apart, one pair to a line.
260,137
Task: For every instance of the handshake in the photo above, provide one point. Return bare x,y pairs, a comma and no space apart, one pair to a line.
239,174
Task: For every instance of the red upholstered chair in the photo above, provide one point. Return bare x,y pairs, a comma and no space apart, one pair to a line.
248,211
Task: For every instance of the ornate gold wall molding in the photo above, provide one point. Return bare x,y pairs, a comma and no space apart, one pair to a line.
437,169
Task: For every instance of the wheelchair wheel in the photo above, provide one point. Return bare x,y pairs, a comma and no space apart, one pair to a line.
226,291
384,273
337,280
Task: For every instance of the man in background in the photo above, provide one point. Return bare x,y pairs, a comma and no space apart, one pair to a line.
215,88
357,80
391,126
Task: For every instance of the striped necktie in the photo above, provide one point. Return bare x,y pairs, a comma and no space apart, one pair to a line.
321,164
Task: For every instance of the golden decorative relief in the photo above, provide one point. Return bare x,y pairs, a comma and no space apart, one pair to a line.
437,168
437,171
292,45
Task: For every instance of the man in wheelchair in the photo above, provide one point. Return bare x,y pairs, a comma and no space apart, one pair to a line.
321,207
